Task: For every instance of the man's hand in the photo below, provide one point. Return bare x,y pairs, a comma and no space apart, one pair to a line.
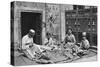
46,43
30,46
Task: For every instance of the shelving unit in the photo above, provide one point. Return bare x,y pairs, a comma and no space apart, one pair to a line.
83,20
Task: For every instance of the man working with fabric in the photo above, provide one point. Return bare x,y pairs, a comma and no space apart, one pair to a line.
29,46
32,50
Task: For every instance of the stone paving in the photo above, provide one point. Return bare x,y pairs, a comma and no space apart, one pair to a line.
57,57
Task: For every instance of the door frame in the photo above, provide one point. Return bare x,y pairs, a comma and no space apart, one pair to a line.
19,24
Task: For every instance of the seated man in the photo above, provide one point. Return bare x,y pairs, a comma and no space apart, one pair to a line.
31,50
28,45
69,39
50,41
84,43
69,43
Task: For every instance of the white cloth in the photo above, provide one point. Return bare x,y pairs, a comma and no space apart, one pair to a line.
45,41
85,43
51,43
26,42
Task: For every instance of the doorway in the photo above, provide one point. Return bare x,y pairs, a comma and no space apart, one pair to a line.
32,20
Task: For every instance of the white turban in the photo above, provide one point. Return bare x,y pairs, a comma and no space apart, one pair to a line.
32,31
84,34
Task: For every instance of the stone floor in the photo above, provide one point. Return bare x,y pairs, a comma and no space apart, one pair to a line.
56,57
87,59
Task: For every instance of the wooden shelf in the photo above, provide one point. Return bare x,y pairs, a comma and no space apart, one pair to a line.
83,17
